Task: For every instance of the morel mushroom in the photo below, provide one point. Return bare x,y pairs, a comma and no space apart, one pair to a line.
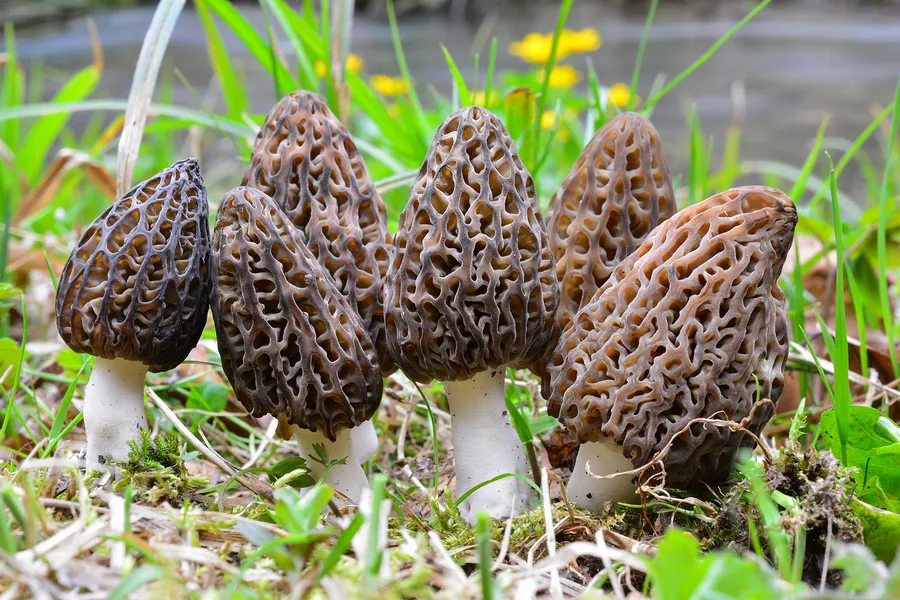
290,343
618,190
134,294
471,289
691,325
305,159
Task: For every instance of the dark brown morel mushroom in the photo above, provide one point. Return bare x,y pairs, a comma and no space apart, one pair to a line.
305,159
291,345
471,289
691,325
135,293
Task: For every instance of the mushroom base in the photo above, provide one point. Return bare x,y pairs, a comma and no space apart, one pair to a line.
349,479
365,441
603,458
113,410
485,445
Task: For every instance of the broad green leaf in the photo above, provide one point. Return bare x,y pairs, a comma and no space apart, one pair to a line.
866,437
881,529
289,465
8,291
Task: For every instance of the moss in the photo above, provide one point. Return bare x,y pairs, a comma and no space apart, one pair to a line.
155,470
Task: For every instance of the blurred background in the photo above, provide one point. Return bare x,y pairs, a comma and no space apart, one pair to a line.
796,63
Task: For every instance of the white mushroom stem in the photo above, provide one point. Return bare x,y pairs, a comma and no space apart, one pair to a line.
603,458
365,441
113,410
349,479
485,445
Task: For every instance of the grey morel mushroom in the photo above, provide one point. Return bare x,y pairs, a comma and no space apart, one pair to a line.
471,290
135,294
290,343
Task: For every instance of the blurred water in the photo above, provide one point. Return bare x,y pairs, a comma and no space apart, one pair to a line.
797,63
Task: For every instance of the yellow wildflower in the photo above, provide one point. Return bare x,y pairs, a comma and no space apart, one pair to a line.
620,95
586,40
548,120
563,77
353,64
389,86
535,47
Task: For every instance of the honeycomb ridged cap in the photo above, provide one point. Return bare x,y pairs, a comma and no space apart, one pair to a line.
471,285
306,160
691,325
137,284
291,345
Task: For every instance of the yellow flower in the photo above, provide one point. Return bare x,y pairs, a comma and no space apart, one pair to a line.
389,86
548,120
535,47
477,99
620,95
353,64
586,40
563,77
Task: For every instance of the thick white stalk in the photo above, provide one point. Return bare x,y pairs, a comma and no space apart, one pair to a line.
485,445
113,410
365,441
348,479
605,458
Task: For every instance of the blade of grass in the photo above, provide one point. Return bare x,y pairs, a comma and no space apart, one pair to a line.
483,542
548,68
254,42
859,308
882,238
706,55
145,74
842,397
233,89
489,80
411,94
375,551
465,97
635,75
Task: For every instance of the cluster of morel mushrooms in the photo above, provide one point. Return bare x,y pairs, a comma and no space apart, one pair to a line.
641,322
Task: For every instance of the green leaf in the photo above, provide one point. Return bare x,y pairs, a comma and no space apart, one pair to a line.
881,529
465,98
8,291
865,438
680,572
209,396
9,358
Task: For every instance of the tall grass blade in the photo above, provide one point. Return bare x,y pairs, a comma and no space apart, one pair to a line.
489,79
706,55
564,9
145,74
233,88
882,238
638,61
465,97
842,397
411,94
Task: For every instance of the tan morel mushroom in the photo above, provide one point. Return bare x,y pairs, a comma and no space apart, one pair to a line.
691,325
290,343
618,190
135,294
471,289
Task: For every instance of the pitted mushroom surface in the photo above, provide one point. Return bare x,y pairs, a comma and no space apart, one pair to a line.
691,325
306,160
135,294
471,290
290,343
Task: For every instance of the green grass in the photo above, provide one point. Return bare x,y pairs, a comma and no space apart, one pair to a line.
226,539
